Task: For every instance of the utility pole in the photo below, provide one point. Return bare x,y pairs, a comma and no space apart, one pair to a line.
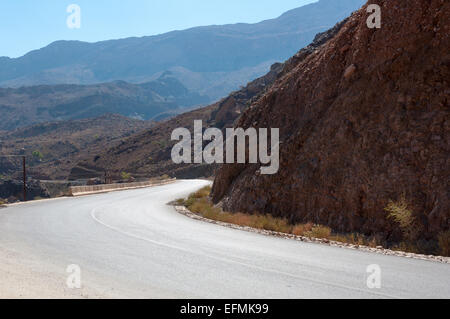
24,173
24,179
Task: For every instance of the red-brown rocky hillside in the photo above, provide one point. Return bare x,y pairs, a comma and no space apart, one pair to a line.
363,120
148,153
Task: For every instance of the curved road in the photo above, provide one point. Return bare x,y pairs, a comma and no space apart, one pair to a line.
131,244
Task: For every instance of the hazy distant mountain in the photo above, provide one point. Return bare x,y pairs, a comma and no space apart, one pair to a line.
211,60
152,100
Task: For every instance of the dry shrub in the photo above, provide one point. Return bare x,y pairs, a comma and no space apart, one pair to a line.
204,192
319,231
180,201
302,229
203,206
399,212
200,194
269,222
241,219
406,247
373,243
200,203
356,239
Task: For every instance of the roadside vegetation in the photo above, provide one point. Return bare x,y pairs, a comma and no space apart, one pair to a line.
125,176
200,203
38,155
399,212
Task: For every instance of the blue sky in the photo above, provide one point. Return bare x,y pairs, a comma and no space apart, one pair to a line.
26,25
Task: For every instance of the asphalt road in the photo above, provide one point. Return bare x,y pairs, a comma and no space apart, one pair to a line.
131,244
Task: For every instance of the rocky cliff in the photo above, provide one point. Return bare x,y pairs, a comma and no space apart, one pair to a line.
363,119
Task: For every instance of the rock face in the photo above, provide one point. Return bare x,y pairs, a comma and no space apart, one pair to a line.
363,119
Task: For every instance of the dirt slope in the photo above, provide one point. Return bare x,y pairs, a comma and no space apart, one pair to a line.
60,145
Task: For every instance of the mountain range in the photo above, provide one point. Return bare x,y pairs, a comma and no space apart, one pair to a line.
153,100
210,60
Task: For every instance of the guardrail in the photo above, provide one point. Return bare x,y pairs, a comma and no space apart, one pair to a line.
94,189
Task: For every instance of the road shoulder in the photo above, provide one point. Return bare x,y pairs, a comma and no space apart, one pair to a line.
25,278
184,211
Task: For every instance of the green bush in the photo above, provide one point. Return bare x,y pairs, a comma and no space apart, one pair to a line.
125,175
38,155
